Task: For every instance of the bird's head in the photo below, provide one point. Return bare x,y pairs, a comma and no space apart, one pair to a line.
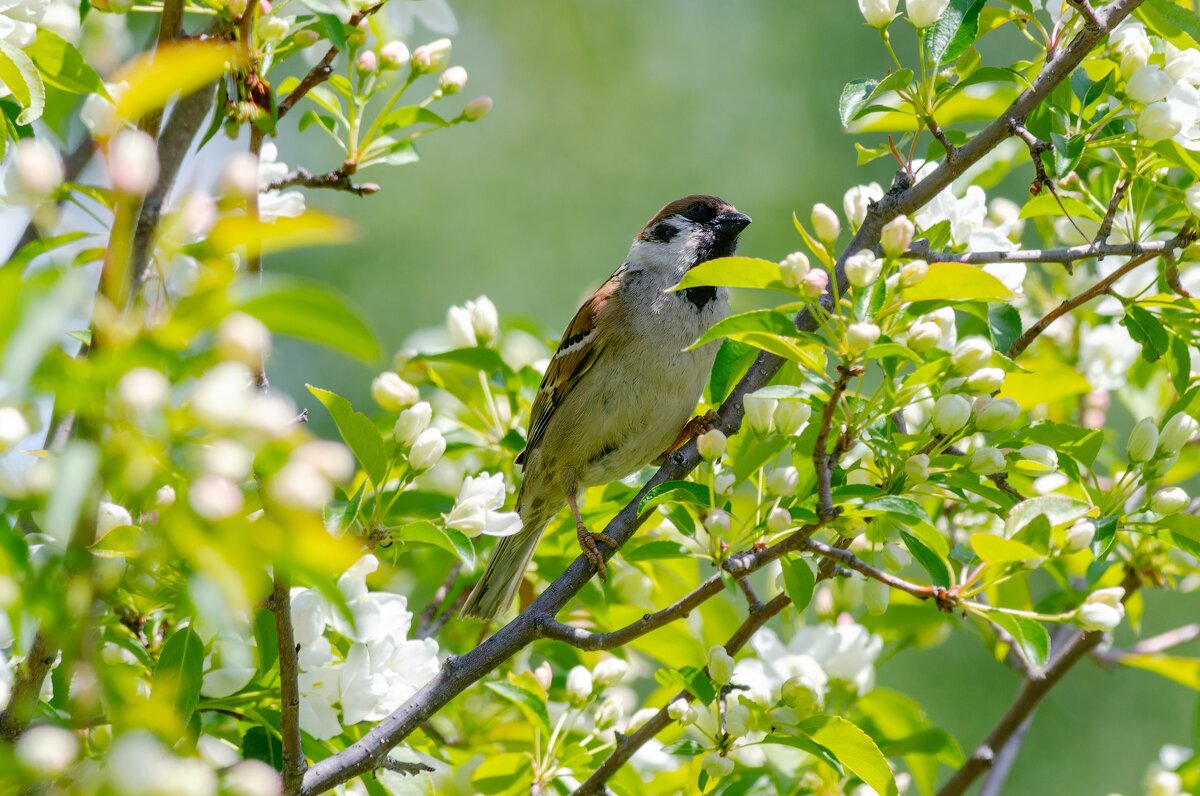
687,232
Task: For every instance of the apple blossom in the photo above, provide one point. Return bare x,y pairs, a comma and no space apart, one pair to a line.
411,422
759,411
133,162
861,336
1177,432
393,393
923,335
1080,535
367,61
993,414
476,510
779,520
783,481
913,273
394,54
825,223
1102,610
427,449
682,711
862,268
950,413
717,522
609,671
477,108
794,267
1142,441
716,765
985,380
720,665
986,461
857,201
896,236
453,80
579,685
923,13
1168,500
46,750
431,57
815,283
711,444
1160,120
1149,84
878,13
916,467
971,354
790,416
36,171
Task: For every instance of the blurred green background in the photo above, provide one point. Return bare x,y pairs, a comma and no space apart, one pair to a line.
605,110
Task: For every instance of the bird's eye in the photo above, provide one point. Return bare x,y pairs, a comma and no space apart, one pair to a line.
699,211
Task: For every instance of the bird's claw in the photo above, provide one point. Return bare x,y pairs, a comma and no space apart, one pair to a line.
587,543
691,429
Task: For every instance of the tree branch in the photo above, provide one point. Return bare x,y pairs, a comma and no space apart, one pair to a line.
1067,255
1154,645
289,688
1033,689
323,69
336,180
30,675
401,767
904,197
823,460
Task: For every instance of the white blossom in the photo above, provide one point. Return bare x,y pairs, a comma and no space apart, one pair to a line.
476,512
411,422
1177,432
923,13
1102,610
1142,441
759,411
711,444
133,162
273,203
857,201
720,665
19,20
1168,500
427,449
1106,353
13,427
950,413
144,390
36,168
1149,84
47,750
825,223
393,393
794,267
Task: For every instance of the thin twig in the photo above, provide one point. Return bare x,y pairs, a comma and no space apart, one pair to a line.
920,249
999,479
1154,645
940,135
1106,224
1087,12
323,69
336,180
823,460
289,688
997,777
401,767
753,602
437,602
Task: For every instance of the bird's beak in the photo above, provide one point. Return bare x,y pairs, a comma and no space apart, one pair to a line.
730,225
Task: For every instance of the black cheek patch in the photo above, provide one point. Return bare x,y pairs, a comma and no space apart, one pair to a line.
662,232
699,297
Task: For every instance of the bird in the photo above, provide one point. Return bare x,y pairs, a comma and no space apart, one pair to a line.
621,386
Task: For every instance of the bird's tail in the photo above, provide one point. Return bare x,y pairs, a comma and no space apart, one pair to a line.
496,589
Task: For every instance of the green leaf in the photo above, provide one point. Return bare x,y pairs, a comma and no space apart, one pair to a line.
178,673
120,542
410,115
698,684
906,510
1148,331
1029,635
312,312
449,539
23,79
954,32
655,550
266,640
957,282
853,748
770,322
1059,510
503,773
684,747
177,68
733,272
998,550
259,743
529,703
1105,538
854,97
1047,204
896,81
675,492
1004,322
938,571
798,581
1186,21
732,360
1067,152
360,434
62,65
1043,382
1185,671
808,745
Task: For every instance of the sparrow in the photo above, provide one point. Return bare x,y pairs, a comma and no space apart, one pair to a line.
620,386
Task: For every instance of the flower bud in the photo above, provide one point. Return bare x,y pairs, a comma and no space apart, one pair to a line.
896,236
790,416
783,481
1177,432
711,444
799,694
394,54
427,449
608,714
133,162
878,13
13,427
1160,120
461,327
144,390
987,461
1149,84
862,268
36,171
1041,456
307,37
485,321
367,61
393,393
720,665
950,413
1080,535
737,719
453,80
1168,500
1143,440
916,467
477,108
682,711
815,283
779,520
876,595
717,522
759,411
272,28
861,336
985,380
971,354
109,516
856,202
609,671
716,766
242,338
46,750
794,267
1102,610
723,482
579,685
993,414
544,675
913,273
411,423
923,13
825,223
240,175
165,496
431,57
924,335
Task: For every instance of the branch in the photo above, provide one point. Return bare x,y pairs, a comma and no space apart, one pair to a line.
170,25
1067,255
426,624
1109,215
401,767
823,460
993,783
999,479
905,197
289,688
27,686
323,69
1087,12
1154,645
337,180
1033,689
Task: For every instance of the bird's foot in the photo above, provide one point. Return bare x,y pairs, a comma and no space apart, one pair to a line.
587,543
693,428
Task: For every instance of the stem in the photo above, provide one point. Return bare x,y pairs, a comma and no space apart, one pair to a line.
289,689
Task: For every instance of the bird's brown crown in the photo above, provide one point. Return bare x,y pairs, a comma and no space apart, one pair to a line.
717,204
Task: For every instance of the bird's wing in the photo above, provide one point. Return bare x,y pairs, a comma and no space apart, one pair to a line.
579,349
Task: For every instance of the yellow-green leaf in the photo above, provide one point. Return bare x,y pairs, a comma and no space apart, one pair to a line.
1047,205
172,69
958,282
733,272
22,78
998,550
308,229
1185,671
1045,381
853,748
119,542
